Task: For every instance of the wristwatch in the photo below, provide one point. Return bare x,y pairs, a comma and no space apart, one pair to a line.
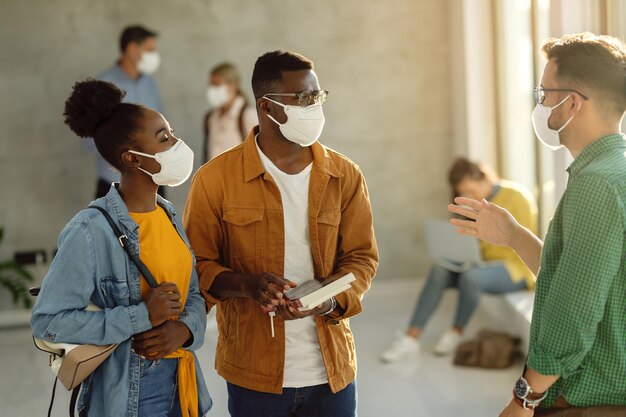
525,396
333,306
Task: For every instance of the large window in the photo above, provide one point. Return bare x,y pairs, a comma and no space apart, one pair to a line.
514,49
500,42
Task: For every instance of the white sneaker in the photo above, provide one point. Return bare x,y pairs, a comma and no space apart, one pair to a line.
402,347
448,342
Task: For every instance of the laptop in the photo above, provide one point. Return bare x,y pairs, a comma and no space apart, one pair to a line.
451,250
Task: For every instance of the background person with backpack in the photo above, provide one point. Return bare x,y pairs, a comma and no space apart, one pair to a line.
231,118
153,371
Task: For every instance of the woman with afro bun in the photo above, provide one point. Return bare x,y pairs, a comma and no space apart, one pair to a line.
153,371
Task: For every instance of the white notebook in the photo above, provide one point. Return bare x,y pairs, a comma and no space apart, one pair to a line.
312,293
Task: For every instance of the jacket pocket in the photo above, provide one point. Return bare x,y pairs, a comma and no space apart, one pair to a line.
341,351
115,290
245,231
327,232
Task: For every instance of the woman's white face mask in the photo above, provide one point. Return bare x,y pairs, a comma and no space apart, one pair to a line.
217,95
176,164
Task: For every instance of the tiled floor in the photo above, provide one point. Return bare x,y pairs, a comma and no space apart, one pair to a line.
426,386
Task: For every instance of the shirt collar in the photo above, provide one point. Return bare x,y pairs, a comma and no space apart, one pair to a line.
595,149
253,166
115,202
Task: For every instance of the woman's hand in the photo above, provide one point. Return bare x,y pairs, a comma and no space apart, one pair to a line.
267,290
159,342
163,302
488,222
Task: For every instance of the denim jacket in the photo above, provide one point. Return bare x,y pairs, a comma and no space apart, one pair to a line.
91,265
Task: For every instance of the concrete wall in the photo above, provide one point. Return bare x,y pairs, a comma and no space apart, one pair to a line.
385,64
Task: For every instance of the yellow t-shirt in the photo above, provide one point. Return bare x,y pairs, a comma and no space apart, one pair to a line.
168,258
163,251
518,201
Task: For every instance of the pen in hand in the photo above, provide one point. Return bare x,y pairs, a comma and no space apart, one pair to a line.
272,315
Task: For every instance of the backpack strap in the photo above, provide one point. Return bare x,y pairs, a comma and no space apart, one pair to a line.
242,128
123,239
205,144
73,399
54,389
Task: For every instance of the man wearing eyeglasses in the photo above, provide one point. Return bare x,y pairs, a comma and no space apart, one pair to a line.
577,350
269,214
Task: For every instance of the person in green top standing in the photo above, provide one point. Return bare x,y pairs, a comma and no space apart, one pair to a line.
577,348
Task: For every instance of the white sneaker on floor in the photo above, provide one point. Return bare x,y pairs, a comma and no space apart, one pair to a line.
404,346
448,342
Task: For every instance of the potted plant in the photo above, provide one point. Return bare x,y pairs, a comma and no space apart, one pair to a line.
15,279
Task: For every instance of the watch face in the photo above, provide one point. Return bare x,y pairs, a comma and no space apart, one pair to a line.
521,388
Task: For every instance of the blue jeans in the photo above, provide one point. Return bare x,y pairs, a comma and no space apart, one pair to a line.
158,388
493,279
314,401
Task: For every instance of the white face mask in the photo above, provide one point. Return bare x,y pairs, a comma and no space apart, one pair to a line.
304,125
149,62
549,137
176,164
217,95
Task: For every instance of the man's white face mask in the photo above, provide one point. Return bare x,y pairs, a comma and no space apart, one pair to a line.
549,137
305,122
149,62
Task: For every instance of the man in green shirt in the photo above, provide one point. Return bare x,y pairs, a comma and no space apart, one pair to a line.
577,349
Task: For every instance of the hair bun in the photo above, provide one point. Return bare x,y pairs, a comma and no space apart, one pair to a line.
90,104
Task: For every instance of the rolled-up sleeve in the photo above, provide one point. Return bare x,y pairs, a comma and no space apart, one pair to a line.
592,236
357,249
59,314
202,223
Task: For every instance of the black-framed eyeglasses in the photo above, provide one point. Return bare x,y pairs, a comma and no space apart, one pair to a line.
305,98
540,93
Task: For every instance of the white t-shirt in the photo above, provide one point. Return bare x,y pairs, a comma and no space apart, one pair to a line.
224,130
304,366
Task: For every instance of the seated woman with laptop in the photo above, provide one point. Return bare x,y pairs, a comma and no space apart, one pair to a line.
475,181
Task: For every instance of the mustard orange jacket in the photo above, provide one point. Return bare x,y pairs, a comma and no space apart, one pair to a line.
234,221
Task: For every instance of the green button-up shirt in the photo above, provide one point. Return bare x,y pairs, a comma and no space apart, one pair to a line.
578,330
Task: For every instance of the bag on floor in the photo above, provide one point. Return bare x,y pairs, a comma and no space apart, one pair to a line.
489,349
